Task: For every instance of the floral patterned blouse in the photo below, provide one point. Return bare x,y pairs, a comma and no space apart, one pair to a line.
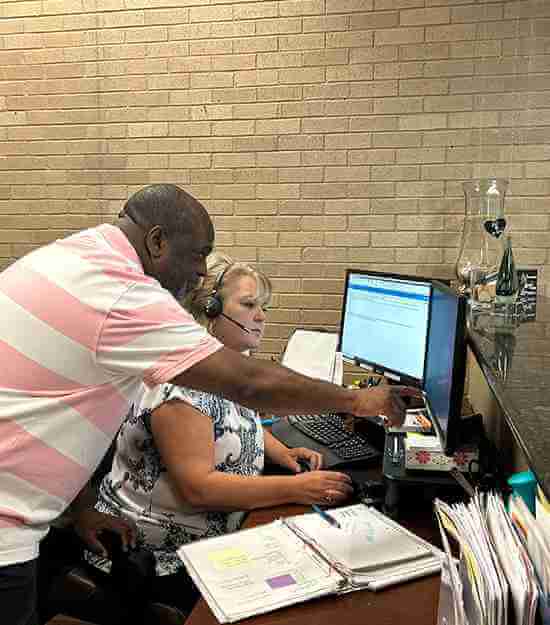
138,486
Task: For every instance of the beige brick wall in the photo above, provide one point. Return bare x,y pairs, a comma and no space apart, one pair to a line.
320,134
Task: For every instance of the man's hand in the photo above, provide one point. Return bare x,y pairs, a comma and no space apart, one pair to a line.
90,523
384,401
313,458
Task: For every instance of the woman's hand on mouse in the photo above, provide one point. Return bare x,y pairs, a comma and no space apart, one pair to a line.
322,487
312,459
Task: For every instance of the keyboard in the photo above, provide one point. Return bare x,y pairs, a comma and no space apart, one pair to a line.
329,430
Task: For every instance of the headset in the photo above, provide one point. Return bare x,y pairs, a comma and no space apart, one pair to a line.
213,306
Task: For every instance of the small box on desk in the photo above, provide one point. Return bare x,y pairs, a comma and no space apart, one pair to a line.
423,451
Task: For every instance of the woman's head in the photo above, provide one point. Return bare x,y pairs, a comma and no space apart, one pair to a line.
232,295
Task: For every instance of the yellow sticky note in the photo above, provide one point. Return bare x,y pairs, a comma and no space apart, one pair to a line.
228,558
544,502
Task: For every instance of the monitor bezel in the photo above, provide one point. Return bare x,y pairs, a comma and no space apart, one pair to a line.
450,439
392,374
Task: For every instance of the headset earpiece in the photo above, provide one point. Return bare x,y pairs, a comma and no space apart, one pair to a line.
213,306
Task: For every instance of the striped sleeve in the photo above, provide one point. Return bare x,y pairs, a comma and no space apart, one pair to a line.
148,334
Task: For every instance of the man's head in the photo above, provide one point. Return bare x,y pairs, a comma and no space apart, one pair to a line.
172,234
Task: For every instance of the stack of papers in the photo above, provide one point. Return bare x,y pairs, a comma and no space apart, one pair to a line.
536,540
504,564
293,560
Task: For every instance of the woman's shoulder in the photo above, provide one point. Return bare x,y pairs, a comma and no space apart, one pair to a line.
204,401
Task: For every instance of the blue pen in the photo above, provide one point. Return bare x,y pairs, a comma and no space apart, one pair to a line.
325,515
269,420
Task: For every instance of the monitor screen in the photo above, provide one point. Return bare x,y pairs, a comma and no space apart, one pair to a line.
384,324
446,364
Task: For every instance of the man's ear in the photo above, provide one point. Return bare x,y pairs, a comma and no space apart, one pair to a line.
156,242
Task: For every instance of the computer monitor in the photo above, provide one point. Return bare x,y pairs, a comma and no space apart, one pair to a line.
446,364
384,324
413,330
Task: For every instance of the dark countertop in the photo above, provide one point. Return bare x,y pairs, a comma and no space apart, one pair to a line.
514,355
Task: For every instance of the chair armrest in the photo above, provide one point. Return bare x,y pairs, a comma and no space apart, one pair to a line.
61,619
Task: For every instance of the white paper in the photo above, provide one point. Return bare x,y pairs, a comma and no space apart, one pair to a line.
366,541
255,571
267,567
311,353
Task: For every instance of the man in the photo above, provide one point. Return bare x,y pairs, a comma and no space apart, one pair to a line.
86,319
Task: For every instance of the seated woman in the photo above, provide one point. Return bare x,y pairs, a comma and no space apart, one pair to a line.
188,464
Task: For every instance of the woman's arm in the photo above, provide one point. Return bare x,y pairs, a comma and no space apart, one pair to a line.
184,437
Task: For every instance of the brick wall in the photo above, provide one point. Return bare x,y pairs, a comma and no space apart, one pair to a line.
320,134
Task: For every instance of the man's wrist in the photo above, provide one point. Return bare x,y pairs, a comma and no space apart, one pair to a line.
353,401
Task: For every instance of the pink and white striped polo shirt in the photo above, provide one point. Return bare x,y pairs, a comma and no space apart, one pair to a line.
81,327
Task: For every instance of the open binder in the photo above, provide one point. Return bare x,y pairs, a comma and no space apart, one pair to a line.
303,557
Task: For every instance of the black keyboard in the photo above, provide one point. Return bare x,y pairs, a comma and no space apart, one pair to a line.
329,430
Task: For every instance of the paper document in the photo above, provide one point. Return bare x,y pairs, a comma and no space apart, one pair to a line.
312,353
535,540
303,557
256,571
367,540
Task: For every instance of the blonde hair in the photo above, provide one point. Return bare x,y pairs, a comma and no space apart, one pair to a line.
216,265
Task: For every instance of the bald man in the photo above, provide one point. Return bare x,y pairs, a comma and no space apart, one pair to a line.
86,320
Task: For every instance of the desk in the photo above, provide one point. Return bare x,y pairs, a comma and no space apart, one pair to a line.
411,602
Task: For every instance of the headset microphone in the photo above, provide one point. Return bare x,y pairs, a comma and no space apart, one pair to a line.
213,306
243,328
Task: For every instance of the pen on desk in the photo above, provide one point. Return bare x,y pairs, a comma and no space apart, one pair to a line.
270,420
325,515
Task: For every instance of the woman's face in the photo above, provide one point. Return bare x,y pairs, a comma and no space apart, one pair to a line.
240,303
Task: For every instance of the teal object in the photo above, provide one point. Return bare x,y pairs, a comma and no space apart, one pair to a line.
524,484
269,420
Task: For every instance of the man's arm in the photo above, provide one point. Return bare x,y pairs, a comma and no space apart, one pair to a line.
270,387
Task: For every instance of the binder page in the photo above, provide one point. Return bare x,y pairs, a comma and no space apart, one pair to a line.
256,570
366,541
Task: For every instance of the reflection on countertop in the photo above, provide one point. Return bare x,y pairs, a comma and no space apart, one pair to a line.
514,355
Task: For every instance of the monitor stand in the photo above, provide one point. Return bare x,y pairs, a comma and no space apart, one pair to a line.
430,484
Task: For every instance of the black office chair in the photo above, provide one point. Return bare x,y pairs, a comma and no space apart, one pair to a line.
79,591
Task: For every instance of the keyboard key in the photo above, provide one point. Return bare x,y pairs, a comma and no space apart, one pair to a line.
329,430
